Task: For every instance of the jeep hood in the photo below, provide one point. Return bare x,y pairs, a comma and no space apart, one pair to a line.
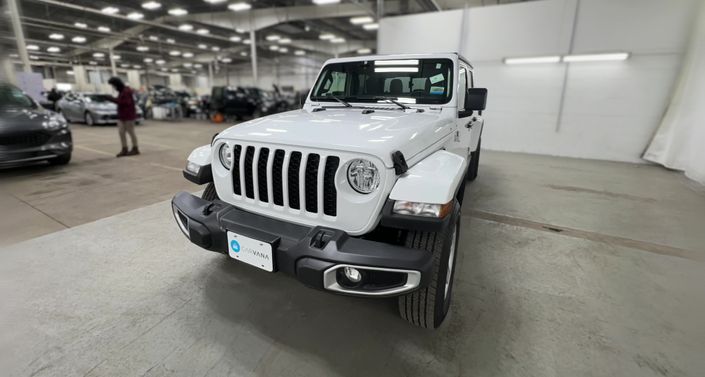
379,134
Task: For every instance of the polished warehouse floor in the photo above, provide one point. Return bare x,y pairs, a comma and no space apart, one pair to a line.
567,268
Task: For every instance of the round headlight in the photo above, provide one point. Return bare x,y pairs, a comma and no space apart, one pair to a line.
226,156
363,176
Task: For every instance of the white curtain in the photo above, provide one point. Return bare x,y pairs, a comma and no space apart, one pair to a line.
679,142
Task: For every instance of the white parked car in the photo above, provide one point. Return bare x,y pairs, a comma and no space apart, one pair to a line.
90,108
359,192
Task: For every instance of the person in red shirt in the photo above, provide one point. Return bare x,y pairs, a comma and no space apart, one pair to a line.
127,114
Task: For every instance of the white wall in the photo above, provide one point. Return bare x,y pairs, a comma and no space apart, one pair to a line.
610,110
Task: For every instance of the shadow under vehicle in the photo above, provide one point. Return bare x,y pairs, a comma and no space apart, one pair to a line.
244,102
30,133
91,109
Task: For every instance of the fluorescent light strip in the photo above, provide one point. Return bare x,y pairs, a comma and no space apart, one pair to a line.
596,57
534,60
397,69
397,62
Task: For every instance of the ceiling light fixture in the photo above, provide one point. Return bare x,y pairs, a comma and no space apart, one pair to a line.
148,60
325,2
53,49
185,27
188,65
170,40
337,40
160,61
374,26
235,38
116,57
78,39
239,7
203,31
215,48
198,65
32,47
363,51
273,37
283,50
153,38
93,62
125,65
80,25
178,12
56,36
187,54
215,1
104,29
226,60
109,10
616,56
285,40
142,48
136,66
151,5
274,47
326,36
533,60
299,52
135,16
361,20
70,73
243,53
98,55
174,53
203,46
247,41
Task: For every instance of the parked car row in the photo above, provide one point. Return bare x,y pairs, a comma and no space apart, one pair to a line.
90,108
248,102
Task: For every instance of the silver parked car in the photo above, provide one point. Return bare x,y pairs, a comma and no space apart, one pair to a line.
90,108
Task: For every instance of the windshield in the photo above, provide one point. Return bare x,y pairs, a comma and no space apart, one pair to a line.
12,97
410,81
97,98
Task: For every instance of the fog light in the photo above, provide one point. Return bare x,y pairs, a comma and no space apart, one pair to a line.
352,274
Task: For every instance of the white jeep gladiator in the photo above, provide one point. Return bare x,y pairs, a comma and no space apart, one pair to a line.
357,193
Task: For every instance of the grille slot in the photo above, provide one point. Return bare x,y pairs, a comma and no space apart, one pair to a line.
330,194
24,139
237,151
294,166
262,174
293,179
277,182
249,184
311,189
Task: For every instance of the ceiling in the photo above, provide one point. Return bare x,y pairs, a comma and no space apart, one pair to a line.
81,31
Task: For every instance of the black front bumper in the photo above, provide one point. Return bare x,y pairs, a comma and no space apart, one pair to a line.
56,144
301,251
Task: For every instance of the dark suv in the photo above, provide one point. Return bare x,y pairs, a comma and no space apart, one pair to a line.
30,133
244,102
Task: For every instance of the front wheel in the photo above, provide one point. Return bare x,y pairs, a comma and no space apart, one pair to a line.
429,306
89,119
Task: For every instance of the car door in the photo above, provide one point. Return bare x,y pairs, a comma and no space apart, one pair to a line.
68,107
469,123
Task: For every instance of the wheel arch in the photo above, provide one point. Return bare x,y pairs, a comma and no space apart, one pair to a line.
435,179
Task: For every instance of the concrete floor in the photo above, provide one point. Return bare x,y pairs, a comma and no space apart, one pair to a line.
566,268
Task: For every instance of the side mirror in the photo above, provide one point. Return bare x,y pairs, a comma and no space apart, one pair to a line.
476,99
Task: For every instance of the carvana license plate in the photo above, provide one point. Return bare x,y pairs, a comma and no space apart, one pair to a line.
251,251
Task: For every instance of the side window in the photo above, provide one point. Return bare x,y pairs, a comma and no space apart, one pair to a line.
462,87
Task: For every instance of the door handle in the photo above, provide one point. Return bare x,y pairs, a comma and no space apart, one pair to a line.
469,125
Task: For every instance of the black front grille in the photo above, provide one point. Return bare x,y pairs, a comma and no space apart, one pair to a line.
33,139
274,175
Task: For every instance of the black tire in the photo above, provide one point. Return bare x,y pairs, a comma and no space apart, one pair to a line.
209,193
474,162
61,160
89,119
429,306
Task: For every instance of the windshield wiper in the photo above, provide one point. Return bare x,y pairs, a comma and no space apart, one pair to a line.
345,103
395,101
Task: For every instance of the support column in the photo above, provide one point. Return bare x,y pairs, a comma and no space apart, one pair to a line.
19,34
79,77
253,54
210,74
380,9
113,69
